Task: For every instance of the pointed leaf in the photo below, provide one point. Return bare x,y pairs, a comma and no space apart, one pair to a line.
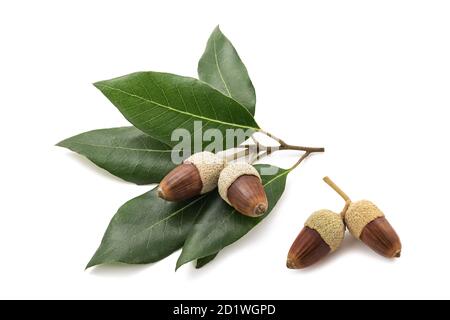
219,225
158,103
204,261
125,152
221,67
147,229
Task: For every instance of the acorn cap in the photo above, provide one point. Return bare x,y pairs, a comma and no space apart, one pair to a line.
359,214
367,223
231,173
323,233
209,166
330,227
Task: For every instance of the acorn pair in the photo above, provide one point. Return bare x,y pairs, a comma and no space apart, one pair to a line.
239,183
324,232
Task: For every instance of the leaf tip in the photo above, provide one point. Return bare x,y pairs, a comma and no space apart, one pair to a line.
180,263
99,85
177,266
62,144
91,264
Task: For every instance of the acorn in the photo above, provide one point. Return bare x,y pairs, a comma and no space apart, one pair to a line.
197,174
241,187
322,234
367,222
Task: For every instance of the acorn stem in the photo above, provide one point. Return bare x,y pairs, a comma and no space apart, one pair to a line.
341,193
249,153
344,210
261,155
337,189
303,157
258,150
300,148
285,146
238,154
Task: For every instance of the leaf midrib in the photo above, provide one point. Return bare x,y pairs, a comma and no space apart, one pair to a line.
218,68
233,211
285,172
118,147
168,217
146,230
176,110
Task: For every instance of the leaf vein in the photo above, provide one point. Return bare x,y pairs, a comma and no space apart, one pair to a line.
218,67
117,147
179,111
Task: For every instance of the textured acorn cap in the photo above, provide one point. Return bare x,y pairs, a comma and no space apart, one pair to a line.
359,214
209,167
329,225
230,173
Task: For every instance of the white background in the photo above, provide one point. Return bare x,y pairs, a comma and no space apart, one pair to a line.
369,80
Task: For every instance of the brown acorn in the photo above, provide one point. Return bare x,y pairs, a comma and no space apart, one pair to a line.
181,183
197,174
366,222
322,234
241,187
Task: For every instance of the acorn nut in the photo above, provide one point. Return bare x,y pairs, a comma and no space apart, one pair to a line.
197,174
322,234
241,187
366,222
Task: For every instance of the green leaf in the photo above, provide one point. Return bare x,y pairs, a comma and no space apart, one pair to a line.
125,152
221,67
147,229
158,103
204,261
219,225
